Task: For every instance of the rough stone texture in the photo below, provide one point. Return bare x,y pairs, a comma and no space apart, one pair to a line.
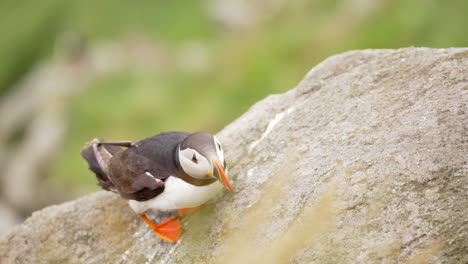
364,162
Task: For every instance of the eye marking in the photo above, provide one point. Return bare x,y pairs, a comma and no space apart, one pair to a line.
219,146
194,159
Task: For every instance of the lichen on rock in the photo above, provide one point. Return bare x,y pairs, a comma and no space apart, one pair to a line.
363,162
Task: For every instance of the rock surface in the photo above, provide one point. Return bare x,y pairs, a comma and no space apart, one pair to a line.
364,162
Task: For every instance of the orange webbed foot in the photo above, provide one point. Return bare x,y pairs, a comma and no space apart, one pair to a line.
169,230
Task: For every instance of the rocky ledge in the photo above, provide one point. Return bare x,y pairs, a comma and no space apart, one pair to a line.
365,161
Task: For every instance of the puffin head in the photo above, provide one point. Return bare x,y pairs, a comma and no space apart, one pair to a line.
201,156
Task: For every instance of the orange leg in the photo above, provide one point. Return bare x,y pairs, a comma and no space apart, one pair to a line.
186,211
168,230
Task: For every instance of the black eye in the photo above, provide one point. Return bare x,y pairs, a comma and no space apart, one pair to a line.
219,146
194,159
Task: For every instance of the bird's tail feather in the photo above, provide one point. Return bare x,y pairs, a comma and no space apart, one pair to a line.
103,179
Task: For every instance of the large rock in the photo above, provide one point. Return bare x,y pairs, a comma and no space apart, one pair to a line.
364,162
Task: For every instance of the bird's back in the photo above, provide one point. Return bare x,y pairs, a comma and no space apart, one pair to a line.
138,172
160,149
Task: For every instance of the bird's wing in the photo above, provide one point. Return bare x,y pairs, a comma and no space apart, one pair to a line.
134,175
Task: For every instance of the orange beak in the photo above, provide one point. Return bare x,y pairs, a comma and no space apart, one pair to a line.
222,176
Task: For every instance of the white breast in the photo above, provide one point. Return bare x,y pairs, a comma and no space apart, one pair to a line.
178,194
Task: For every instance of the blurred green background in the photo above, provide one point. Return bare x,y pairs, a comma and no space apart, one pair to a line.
130,69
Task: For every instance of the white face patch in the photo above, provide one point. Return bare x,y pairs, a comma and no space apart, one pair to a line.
219,150
194,164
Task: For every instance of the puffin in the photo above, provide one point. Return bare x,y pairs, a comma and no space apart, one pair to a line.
169,171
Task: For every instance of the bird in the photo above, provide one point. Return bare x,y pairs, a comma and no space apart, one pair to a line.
169,171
